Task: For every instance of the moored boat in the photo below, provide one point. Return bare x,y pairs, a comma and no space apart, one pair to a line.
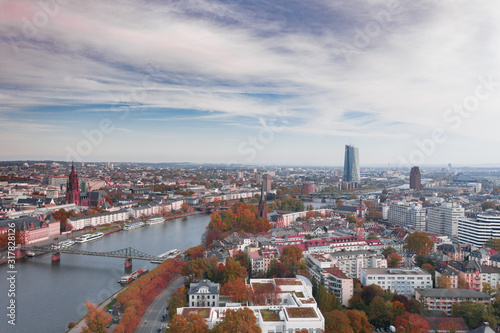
89,237
134,225
155,220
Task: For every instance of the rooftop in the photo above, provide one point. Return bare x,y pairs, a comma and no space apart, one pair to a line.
453,293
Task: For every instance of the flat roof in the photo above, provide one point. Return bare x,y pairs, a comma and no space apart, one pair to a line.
456,293
395,271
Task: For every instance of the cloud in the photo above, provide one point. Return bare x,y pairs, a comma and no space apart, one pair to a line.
348,69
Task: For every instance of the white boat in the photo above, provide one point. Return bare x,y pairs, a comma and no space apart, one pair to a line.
31,254
134,225
63,244
89,237
155,220
167,255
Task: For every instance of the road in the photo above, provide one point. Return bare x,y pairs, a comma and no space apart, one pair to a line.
151,319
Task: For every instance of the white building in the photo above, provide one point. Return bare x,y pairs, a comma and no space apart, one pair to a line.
398,280
204,293
408,215
477,231
296,308
443,220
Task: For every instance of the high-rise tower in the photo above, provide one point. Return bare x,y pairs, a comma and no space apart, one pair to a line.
415,183
351,164
72,189
262,203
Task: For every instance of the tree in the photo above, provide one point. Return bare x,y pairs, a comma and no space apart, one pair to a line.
462,283
380,312
418,306
96,319
290,256
185,207
411,323
419,243
443,281
338,322
339,202
472,313
177,300
237,291
429,268
398,309
233,270
370,292
394,260
194,323
193,270
449,326
216,223
326,301
488,289
238,321
403,300
493,243
359,322
388,250
488,205
195,252
350,219
277,269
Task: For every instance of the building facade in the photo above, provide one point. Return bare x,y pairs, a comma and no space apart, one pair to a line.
204,294
443,220
415,182
443,299
408,215
477,231
403,281
351,165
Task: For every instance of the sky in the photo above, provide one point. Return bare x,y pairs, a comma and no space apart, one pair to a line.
408,82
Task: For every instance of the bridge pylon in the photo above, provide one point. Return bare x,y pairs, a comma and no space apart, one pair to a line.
128,262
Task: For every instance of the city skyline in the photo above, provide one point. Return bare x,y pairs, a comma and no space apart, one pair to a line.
250,83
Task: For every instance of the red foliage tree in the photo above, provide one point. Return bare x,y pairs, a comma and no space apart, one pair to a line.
411,323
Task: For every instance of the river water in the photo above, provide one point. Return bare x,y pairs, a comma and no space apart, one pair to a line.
50,295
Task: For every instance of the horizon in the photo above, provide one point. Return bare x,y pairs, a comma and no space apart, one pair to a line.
251,83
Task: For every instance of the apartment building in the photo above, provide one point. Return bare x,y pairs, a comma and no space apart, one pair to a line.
403,281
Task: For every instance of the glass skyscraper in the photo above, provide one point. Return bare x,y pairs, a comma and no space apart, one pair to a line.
351,164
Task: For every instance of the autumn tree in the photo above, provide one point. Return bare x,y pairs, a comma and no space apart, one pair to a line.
403,300
411,323
234,270
194,323
338,322
388,250
429,269
241,320
193,270
216,223
398,308
493,243
185,207
290,256
195,252
449,326
237,291
394,260
486,288
462,283
488,205
359,321
177,300
277,270
96,319
350,219
442,281
419,243
370,292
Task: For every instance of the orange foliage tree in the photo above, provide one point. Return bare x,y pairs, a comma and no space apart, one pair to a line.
411,323
233,270
194,323
96,319
290,256
238,321
337,322
449,326
141,292
237,291
193,270
195,252
359,322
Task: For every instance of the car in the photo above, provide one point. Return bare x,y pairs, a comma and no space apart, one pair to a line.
158,330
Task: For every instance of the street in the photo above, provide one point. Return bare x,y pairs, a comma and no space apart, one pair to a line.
151,320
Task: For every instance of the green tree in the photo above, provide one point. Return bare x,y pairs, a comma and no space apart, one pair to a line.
472,313
350,219
380,312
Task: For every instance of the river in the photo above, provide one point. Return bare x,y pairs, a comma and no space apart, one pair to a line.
50,295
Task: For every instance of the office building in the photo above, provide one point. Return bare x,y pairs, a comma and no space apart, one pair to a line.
477,231
443,220
267,181
351,164
408,215
403,281
415,182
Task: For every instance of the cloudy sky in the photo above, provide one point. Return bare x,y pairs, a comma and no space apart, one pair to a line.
252,82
